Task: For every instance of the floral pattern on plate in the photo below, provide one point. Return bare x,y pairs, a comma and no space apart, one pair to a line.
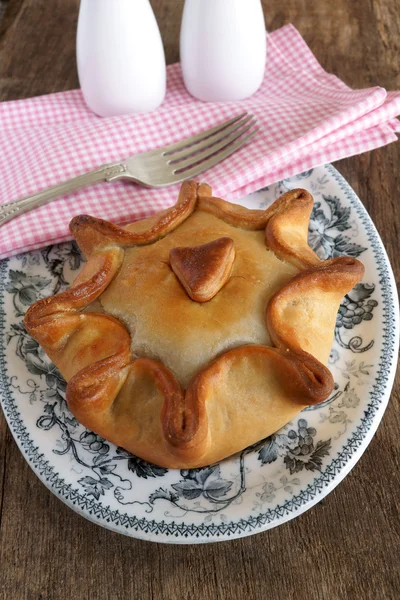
265,484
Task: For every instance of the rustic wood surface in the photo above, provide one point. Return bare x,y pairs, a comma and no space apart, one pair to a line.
346,547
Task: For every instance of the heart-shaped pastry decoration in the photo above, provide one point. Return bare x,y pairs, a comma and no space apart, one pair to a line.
203,270
198,332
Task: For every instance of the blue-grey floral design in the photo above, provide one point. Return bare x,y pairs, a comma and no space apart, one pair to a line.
265,483
297,447
326,230
327,240
25,289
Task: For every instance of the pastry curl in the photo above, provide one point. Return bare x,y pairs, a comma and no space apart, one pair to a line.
234,214
74,339
143,401
302,314
95,234
286,232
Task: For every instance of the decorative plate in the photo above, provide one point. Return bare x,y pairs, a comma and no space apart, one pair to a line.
266,484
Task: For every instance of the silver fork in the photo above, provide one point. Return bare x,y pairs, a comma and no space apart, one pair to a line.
157,168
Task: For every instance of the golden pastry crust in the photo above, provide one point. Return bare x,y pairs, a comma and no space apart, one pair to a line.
203,270
302,314
93,234
179,366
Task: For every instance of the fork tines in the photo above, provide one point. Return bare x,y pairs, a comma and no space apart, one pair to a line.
193,155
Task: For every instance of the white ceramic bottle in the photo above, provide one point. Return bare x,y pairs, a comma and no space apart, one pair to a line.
120,56
223,48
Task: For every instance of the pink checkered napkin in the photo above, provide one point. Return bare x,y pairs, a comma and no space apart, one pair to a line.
306,116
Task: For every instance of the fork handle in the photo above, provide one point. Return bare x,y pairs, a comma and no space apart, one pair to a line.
23,205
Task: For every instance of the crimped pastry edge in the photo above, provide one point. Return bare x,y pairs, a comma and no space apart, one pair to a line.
184,415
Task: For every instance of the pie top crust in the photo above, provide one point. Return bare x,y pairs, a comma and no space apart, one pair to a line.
195,333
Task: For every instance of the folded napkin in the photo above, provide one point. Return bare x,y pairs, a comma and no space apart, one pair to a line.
306,117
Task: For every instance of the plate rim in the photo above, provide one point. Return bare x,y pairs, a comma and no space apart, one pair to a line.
334,472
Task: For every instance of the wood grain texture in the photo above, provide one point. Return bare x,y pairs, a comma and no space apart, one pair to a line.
345,547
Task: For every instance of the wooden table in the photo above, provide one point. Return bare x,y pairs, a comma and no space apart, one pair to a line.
345,547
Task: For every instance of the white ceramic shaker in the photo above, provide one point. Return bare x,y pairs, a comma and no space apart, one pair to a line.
120,56
223,48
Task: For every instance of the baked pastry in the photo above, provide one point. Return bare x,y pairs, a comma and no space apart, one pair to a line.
195,333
